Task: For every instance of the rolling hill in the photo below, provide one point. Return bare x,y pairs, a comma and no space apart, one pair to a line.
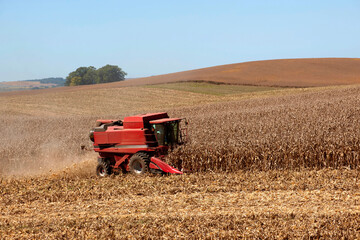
310,72
307,72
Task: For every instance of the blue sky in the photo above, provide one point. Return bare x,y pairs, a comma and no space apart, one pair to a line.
40,39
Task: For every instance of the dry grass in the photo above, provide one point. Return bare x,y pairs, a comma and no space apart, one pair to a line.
278,164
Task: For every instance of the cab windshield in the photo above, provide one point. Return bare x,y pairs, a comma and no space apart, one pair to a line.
167,133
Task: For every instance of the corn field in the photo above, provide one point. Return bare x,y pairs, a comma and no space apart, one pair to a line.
311,131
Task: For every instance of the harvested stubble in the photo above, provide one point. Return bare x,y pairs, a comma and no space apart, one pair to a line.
310,130
272,204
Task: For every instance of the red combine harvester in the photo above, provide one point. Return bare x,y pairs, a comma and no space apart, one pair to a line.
137,143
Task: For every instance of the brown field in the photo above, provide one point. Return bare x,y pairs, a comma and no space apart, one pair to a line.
266,163
307,72
283,73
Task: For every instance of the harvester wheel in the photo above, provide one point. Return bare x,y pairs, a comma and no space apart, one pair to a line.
139,163
103,169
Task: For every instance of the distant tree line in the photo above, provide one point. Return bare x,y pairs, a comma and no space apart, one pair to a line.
91,75
58,81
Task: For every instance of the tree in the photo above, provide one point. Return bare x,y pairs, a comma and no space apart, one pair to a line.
79,73
110,73
89,75
81,76
75,81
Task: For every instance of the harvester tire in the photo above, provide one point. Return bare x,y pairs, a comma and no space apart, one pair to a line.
139,163
103,169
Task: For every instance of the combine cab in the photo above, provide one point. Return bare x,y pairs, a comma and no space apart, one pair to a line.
137,144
